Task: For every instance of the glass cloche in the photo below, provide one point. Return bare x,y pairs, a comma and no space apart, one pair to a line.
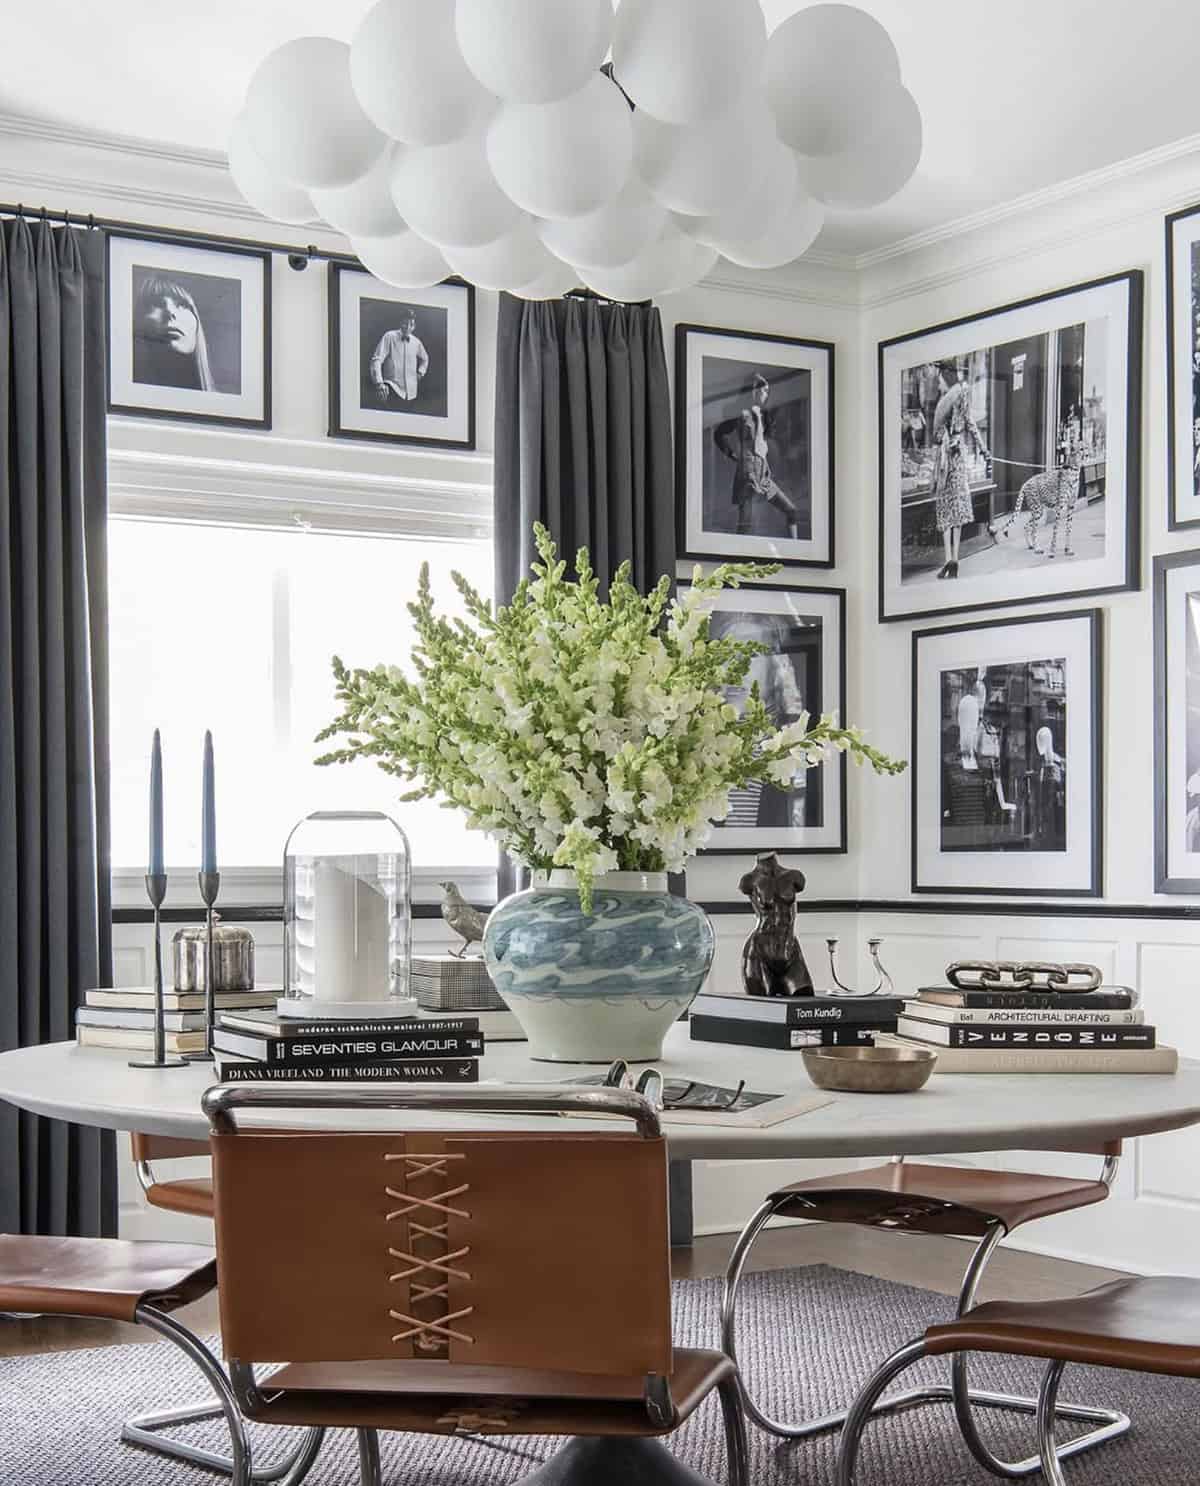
347,885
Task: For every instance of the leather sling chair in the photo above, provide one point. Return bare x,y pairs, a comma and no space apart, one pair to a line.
193,1196
492,1282
911,1197
111,1279
1139,1325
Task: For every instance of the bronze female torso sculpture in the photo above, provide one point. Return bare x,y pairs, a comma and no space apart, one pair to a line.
772,961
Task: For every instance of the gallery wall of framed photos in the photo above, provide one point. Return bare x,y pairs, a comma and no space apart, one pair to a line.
1035,441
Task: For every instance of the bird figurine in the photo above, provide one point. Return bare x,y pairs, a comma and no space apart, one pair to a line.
467,922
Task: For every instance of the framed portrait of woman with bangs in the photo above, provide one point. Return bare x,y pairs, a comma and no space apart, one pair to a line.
189,331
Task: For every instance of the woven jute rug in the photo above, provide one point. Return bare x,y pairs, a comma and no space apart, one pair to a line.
808,1338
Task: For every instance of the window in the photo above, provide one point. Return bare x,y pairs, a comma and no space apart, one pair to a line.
232,627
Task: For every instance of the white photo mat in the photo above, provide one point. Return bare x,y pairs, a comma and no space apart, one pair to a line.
1118,303
827,605
816,360
252,403
1074,637
1177,578
346,355
1183,243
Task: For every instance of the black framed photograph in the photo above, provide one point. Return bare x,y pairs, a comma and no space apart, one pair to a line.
1183,367
1177,723
401,361
1010,453
802,668
1006,757
754,446
189,331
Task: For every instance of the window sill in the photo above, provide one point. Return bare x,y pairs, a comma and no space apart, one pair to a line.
257,886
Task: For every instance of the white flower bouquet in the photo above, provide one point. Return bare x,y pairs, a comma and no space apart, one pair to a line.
578,733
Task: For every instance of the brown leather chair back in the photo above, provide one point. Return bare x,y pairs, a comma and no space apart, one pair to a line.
539,1250
165,1147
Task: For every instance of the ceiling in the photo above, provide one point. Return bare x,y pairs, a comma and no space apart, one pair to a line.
1016,95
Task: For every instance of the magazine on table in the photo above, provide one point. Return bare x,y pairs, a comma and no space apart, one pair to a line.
694,1102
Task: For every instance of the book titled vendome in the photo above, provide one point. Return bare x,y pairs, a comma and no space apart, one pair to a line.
349,1047
1032,1035
800,1011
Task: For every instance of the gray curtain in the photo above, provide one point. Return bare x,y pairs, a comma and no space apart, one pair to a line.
55,934
583,443
583,437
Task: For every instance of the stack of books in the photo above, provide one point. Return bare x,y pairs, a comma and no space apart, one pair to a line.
787,1022
977,1031
124,1017
258,1045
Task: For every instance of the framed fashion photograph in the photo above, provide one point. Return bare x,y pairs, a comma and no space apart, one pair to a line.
754,446
401,361
1177,723
801,668
1006,757
189,331
1183,368
1010,453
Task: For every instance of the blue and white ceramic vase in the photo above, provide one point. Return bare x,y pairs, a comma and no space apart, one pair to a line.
592,987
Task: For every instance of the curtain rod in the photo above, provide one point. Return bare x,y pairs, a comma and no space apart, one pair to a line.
297,256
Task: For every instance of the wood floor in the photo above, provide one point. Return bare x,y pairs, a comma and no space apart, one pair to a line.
930,1263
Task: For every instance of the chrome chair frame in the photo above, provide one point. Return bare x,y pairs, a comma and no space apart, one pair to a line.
221,1102
958,1392
867,1406
141,1429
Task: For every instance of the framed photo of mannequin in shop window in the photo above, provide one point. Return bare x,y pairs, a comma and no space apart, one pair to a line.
801,668
1006,750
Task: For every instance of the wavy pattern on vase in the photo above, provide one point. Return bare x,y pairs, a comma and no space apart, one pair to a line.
639,955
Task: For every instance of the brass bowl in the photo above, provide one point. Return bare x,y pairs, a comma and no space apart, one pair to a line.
869,1070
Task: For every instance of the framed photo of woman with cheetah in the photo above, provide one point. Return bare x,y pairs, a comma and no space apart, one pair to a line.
1009,453
753,446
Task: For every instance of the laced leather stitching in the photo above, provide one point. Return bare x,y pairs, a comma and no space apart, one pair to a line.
436,1271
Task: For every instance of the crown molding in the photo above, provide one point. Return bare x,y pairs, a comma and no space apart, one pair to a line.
49,132
1032,201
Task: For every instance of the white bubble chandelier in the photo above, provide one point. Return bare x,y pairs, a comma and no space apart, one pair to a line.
487,138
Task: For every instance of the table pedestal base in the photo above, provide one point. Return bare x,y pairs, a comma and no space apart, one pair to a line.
607,1462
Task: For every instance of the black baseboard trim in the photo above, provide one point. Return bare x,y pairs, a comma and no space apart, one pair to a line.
271,913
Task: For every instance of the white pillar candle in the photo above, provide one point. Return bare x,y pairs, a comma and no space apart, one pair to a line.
350,934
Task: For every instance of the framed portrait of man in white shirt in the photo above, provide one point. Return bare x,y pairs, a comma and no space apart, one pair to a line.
401,361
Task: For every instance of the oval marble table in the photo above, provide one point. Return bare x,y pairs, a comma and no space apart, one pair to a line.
953,1113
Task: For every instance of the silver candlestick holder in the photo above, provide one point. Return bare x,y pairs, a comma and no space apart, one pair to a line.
210,886
883,984
156,890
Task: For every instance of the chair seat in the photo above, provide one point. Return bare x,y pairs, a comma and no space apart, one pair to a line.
1146,1325
916,1198
441,1397
103,1277
191,1195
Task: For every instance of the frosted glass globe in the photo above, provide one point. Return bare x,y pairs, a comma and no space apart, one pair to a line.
410,76
707,167
828,68
874,169
365,207
405,260
615,233
304,119
685,60
566,158
448,194
672,262
533,51
516,258
263,189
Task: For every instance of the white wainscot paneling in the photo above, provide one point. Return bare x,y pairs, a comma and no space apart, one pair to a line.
1064,951
918,956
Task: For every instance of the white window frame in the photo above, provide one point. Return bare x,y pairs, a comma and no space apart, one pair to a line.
439,497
